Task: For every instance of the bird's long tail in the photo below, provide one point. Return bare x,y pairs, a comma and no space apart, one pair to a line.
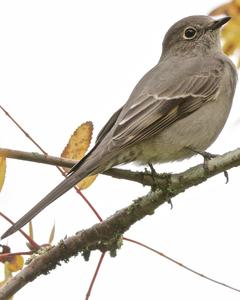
59,190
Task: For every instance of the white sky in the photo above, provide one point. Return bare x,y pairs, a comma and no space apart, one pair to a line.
66,62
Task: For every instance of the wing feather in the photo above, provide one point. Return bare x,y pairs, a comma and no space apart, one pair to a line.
150,113
108,126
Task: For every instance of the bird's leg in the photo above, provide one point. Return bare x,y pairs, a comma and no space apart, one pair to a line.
154,175
153,172
208,156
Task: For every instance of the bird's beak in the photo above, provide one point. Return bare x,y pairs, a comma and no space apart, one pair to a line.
218,23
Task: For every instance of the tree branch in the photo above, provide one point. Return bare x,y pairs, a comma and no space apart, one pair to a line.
215,166
106,236
37,157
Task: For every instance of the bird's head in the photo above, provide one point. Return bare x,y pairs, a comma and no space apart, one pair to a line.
194,34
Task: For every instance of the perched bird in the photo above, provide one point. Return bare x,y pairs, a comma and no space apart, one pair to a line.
177,109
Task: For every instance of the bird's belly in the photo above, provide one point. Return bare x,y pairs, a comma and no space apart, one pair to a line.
196,131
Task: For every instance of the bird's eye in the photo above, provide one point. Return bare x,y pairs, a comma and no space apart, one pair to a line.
189,33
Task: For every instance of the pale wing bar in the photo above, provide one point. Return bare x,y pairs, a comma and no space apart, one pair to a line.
155,114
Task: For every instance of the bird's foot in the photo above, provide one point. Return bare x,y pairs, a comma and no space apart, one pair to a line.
155,183
153,172
208,156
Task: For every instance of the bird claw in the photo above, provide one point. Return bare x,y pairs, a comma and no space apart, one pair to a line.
226,176
170,203
208,156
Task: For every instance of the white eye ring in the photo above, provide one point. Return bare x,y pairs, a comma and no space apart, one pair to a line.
189,33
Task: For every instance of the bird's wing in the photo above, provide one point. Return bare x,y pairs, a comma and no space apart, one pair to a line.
158,108
108,126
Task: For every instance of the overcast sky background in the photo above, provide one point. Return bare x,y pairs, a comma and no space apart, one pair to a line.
63,63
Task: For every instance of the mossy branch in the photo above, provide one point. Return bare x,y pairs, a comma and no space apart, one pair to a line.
106,236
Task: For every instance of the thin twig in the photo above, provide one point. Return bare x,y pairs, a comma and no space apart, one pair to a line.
37,158
181,265
23,131
45,154
4,256
88,203
33,244
95,275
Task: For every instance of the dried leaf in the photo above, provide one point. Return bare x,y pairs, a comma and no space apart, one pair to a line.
51,236
231,31
2,170
11,264
79,142
16,263
77,147
229,9
86,182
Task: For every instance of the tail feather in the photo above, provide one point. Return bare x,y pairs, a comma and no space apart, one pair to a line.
59,190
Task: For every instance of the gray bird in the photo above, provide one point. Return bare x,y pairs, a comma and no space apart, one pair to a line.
177,109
